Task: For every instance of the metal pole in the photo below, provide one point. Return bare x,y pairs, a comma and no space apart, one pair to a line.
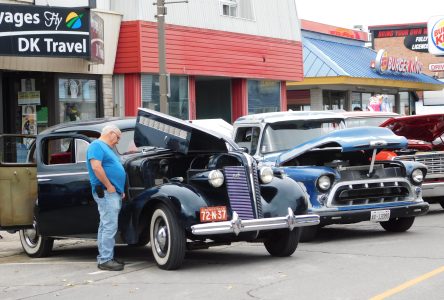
163,75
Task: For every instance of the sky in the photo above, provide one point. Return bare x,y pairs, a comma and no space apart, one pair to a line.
347,13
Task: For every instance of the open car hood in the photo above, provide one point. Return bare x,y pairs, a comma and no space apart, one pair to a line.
419,127
348,140
160,130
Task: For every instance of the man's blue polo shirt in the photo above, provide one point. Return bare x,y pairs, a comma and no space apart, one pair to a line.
114,170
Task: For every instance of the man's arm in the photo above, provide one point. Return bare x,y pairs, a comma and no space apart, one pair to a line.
98,170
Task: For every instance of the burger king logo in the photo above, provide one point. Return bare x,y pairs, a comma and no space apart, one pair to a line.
435,28
381,62
438,35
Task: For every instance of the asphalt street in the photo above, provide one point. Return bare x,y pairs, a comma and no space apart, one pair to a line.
357,261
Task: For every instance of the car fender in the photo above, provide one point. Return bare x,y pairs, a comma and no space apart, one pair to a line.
282,193
308,175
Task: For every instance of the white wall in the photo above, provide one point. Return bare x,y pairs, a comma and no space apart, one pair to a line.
272,18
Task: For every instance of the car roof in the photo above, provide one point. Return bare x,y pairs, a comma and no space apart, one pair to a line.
288,116
92,125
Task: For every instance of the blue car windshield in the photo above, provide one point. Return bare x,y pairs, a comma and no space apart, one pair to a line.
286,135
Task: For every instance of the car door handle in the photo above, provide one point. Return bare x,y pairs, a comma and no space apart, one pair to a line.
44,180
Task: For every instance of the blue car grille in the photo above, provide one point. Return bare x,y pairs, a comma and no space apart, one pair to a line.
239,191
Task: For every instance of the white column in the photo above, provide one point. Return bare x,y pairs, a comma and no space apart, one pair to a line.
316,100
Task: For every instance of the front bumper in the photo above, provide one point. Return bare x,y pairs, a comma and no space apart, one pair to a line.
237,225
432,189
355,216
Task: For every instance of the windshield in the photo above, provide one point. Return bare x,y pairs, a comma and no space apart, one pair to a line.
284,136
370,121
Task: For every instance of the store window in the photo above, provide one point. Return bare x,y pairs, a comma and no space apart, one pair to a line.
333,100
264,96
178,100
77,99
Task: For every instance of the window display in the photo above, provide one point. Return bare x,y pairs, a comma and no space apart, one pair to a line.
77,98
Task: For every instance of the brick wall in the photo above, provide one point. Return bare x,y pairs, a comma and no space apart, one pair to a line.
107,90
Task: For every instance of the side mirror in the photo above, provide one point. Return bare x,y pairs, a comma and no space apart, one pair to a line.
244,149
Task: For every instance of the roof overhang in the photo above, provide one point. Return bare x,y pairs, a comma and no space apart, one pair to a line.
367,82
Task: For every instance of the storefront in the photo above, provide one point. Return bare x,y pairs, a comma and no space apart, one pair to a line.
55,66
340,72
232,66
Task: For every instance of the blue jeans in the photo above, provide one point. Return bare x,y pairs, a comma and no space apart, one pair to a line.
109,208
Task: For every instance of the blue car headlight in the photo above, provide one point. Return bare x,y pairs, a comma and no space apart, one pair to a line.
323,183
417,176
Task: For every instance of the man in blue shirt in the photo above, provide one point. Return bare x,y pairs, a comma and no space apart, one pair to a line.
107,177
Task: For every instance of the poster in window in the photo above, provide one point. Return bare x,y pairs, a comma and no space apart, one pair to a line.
29,119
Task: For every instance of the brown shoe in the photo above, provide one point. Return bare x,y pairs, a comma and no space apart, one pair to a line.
110,265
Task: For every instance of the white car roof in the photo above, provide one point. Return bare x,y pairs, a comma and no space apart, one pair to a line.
288,116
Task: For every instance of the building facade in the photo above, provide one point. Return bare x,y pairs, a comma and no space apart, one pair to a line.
412,40
226,58
56,63
340,72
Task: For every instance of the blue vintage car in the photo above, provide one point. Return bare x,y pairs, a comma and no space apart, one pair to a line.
187,188
345,182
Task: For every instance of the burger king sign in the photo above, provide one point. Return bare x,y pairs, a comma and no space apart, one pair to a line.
435,28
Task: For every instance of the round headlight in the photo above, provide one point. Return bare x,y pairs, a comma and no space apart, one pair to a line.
216,178
324,182
266,174
417,176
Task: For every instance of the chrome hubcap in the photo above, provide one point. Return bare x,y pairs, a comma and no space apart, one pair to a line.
31,237
161,237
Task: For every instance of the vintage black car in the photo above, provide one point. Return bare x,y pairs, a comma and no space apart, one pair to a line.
187,188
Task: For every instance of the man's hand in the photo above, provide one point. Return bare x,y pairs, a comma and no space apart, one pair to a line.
111,189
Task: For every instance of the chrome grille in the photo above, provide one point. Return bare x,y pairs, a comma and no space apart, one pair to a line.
374,192
433,161
239,191
257,190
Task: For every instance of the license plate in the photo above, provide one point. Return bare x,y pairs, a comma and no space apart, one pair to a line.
380,215
213,214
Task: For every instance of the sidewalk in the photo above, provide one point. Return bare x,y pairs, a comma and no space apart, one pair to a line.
9,244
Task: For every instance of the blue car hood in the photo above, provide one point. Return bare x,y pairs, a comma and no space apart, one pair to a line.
348,140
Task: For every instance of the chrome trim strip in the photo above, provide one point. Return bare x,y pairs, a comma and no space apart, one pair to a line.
237,225
61,174
250,175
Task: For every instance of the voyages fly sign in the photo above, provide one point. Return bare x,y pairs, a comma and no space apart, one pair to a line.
30,30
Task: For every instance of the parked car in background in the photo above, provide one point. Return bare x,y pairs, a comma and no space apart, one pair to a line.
338,167
425,134
187,188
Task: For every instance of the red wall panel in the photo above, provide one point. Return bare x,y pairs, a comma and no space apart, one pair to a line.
239,105
194,51
283,96
128,58
133,94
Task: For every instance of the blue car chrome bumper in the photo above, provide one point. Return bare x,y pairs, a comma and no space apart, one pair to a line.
328,217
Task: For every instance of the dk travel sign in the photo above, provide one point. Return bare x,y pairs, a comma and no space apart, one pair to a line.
29,30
